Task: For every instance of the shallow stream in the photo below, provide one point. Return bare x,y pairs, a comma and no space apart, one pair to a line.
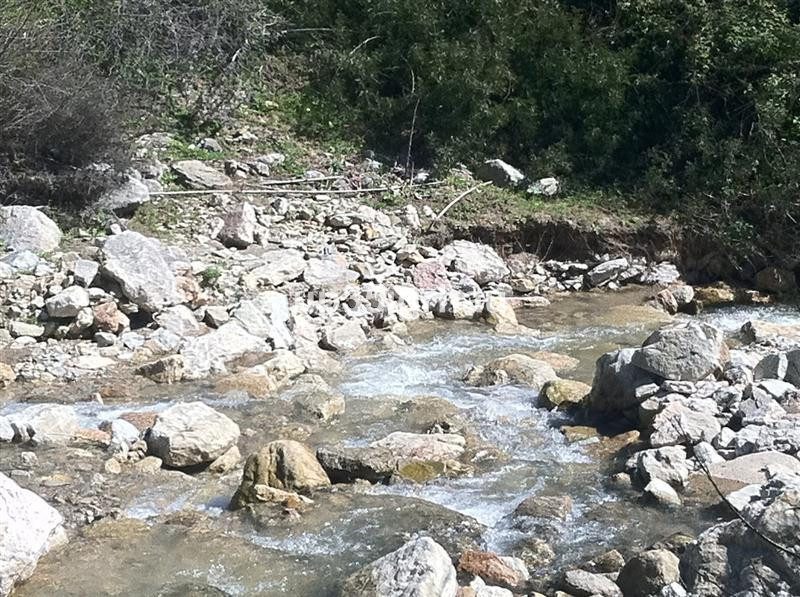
175,535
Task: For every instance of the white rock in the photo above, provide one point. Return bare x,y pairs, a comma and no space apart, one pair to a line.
25,228
479,262
68,302
239,227
207,354
607,271
44,424
500,173
545,186
85,271
29,528
346,336
267,316
190,434
143,268
662,492
420,568
180,321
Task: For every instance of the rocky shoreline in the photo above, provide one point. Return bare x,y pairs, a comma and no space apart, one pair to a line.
264,297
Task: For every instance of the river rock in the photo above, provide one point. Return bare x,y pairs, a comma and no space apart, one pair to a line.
662,492
143,268
563,394
689,351
616,379
496,570
323,405
181,321
167,370
763,332
645,574
478,588
343,337
498,312
45,424
420,568
435,447
515,368
545,506
587,584
209,353
25,228
346,464
282,464
679,423
67,303
606,271
668,464
190,434
30,528
479,262
199,175
239,227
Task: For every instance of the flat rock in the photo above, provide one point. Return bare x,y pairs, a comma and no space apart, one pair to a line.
328,274
423,446
751,469
190,434
279,266
25,228
199,175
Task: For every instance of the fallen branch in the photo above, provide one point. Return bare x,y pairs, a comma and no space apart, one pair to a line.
447,207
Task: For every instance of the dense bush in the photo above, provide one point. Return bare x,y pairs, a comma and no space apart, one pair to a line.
56,116
693,105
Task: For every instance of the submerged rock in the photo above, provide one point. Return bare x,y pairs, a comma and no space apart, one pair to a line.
29,529
283,464
420,568
515,368
190,434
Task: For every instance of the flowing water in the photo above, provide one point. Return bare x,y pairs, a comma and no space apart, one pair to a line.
175,534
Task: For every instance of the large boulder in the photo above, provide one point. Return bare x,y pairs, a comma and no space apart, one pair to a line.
285,465
191,434
645,574
25,228
514,368
479,262
615,381
143,269
346,464
420,568
690,422
209,354
690,352
45,424
29,528
125,199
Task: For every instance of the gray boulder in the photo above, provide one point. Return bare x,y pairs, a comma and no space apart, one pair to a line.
645,574
343,337
668,464
30,528
420,568
25,228
606,271
267,316
126,198
616,379
581,583
479,262
143,269
690,351
190,434
279,266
